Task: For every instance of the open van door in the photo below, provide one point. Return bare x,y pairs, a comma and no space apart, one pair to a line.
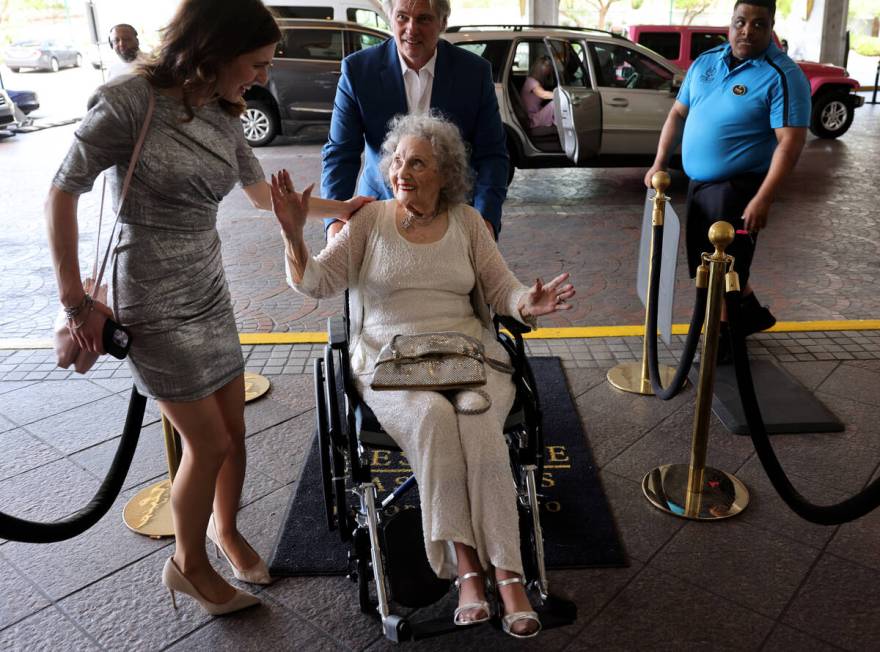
578,108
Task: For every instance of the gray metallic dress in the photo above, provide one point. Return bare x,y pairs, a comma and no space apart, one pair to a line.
167,282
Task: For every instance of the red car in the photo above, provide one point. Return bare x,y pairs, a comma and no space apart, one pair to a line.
833,90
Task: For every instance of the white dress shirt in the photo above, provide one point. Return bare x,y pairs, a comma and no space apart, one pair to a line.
418,84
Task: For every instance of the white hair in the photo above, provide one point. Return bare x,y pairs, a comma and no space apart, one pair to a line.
450,150
440,7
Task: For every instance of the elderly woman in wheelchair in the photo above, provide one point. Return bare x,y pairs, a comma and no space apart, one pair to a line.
424,262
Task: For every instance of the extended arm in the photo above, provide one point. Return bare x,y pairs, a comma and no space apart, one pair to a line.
507,295
670,137
791,142
260,194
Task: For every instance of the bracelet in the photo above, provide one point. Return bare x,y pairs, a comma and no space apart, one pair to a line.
85,306
73,311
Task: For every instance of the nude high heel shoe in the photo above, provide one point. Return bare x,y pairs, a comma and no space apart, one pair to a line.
175,580
256,574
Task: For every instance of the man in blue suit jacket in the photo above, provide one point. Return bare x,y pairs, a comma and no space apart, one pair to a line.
372,90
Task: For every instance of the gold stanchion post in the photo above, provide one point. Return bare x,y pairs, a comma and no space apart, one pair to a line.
149,511
696,491
634,376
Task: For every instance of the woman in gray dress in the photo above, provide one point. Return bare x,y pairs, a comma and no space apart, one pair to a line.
168,284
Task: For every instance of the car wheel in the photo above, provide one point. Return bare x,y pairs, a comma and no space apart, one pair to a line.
14,68
259,124
54,65
78,61
832,115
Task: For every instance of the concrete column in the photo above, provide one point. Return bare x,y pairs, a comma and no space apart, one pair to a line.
543,12
833,45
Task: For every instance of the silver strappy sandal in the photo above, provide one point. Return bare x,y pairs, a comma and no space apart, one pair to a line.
469,606
508,620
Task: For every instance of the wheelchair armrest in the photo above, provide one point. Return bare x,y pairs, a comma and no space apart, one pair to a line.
516,328
337,332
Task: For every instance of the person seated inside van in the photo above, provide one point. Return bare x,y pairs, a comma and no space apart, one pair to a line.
533,94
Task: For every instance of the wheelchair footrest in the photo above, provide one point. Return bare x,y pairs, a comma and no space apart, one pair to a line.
556,612
433,627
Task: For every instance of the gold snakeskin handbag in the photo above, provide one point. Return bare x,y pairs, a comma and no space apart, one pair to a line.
432,361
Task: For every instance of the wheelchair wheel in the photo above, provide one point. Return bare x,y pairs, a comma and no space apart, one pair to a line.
324,445
336,445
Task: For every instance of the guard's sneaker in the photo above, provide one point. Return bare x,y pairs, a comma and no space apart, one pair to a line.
754,317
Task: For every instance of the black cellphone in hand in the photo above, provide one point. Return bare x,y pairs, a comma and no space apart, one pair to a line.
116,339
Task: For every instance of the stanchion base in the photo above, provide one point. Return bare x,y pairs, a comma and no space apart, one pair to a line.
149,512
255,386
627,376
723,494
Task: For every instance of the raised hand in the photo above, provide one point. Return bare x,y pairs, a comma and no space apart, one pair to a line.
290,208
545,299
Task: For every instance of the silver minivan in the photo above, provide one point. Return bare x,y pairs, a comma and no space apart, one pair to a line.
368,13
611,95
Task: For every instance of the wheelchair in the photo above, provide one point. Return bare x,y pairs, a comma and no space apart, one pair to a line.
385,542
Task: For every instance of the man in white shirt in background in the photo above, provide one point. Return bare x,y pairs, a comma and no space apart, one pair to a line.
124,41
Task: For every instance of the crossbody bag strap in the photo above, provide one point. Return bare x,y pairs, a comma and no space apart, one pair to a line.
135,155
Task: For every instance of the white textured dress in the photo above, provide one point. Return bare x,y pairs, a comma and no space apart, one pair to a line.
460,461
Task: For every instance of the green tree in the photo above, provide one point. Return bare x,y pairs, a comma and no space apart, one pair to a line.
866,9
783,7
692,9
573,11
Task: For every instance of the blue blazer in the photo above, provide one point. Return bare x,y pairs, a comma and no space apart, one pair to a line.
371,92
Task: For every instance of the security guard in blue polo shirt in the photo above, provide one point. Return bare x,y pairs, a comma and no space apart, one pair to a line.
744,108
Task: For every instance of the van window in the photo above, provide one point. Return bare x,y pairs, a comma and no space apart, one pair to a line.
363,40
367,18
315,44
702,42
319,13
568,62
666,44
495,52
619,67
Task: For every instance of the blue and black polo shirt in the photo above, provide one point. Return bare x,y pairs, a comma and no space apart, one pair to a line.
732,113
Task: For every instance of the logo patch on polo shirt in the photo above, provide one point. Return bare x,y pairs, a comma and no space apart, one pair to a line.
708,75
739,89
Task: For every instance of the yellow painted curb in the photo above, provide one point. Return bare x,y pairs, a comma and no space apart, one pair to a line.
574,332
283,338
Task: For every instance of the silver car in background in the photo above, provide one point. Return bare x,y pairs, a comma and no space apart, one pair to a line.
48,55
611,95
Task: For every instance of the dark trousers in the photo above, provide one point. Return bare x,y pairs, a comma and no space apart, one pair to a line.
713,201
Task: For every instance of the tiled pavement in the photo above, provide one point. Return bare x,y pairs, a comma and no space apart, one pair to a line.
763,580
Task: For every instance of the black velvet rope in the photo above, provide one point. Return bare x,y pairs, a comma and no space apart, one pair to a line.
693,336
847,510
17,529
